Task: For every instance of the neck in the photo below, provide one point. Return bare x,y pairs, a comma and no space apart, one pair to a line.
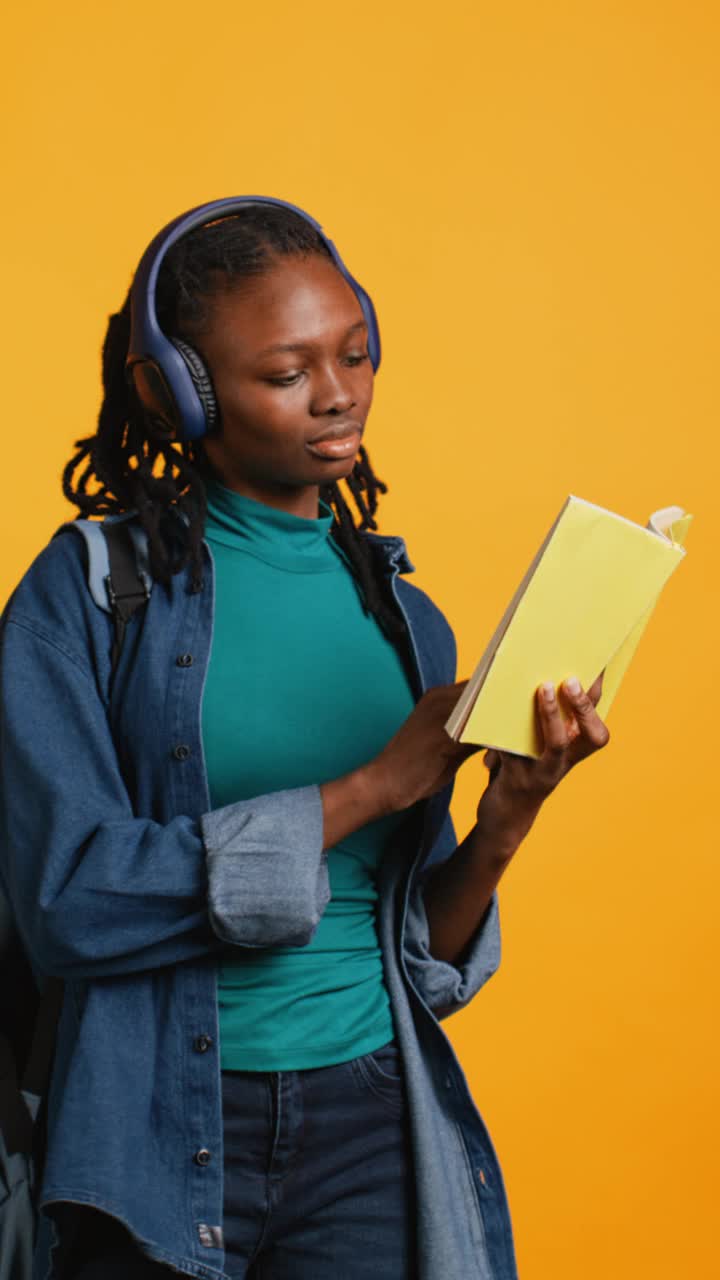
301,500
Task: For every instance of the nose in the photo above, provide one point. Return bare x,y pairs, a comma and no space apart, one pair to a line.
332,391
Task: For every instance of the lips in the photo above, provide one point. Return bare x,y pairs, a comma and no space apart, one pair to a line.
342,440
338,431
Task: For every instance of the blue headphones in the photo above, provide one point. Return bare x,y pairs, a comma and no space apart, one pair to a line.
169,377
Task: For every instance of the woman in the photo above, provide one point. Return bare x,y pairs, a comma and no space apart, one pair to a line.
233,843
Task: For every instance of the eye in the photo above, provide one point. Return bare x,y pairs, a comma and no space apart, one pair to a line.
285,379
356,358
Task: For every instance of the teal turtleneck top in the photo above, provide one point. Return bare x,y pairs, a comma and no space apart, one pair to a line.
302,687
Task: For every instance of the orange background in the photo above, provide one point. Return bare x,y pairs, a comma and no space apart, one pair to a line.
530,193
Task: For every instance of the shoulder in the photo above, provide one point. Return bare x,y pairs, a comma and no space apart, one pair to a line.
60,567
53,600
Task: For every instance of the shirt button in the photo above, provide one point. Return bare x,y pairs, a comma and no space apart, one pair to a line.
202,1043
181,751
184,660
202,1157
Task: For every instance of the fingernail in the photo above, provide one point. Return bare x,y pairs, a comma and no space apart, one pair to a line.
573,685
549,691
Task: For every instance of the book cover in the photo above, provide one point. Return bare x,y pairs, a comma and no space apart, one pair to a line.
580,609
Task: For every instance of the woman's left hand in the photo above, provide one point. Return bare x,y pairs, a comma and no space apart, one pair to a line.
519,784
458,893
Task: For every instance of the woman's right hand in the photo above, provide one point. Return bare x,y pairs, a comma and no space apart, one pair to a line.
422,757
418,761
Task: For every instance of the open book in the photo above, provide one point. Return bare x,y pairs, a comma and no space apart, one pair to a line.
580,609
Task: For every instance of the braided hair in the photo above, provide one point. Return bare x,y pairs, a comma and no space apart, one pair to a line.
133,462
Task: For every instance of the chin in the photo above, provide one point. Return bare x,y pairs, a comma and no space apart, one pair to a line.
327,472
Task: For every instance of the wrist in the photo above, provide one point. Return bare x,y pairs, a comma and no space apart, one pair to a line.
348,803
370,791
502,824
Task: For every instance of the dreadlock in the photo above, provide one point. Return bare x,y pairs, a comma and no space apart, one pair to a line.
133,463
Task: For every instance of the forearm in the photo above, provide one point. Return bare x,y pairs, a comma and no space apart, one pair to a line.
459,892
349,803
457,896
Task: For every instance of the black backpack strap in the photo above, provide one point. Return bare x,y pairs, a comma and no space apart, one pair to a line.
126,587
15,1119
36,1076
118,569
37,1068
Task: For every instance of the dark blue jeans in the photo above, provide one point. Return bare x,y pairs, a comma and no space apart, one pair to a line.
318,1177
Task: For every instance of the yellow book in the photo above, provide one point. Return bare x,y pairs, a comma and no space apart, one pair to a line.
580,609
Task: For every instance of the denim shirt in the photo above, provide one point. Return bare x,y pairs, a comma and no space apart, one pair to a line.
126,885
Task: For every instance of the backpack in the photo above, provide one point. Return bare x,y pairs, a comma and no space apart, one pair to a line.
120,583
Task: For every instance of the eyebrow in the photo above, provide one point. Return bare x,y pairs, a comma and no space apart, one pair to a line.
304,346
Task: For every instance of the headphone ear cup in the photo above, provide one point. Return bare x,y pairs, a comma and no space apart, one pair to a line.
148,387
201,380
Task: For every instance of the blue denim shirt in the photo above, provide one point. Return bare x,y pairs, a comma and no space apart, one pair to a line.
126,885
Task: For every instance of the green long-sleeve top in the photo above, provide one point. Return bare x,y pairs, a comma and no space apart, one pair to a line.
302,687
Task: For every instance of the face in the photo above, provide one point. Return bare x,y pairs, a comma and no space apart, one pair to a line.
287,353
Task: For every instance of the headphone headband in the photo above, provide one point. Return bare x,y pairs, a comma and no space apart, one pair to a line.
168,376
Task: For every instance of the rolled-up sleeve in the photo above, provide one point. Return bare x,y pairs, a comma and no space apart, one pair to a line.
267,873
445,987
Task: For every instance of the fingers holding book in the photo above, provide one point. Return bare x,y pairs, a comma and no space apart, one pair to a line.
569,728
574,731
